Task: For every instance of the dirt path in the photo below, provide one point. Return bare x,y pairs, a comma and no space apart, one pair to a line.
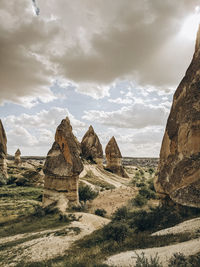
127,259
51,243
104,175
187,226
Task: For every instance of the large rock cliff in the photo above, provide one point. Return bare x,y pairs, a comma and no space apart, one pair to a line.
62,168
91,147
3,154
179,166
114,158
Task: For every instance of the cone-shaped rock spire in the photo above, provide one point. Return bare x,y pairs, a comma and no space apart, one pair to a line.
113,157
91,147
17,157
62,168
178,171
3,154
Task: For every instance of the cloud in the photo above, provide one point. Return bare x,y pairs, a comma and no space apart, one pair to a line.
25,72
136,39
138,115
44,119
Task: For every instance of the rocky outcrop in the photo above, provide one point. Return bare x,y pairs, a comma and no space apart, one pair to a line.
91,147
179,171
18,157
3,154
62,168
114,158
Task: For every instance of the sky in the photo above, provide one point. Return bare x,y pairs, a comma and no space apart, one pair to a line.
111,64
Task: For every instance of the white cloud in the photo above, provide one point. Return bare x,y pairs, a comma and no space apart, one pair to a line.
139,115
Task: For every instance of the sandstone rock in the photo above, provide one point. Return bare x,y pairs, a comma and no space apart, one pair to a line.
3,154
91,147
179,171
17,157
114,158
62,168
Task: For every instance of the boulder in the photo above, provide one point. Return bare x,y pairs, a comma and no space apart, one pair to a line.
18,157
178,170
62,168
91,147
114,158
3,154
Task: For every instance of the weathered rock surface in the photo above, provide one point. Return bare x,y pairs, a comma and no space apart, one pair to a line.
114,158
17,157
3,154
179,166
62,168
91,147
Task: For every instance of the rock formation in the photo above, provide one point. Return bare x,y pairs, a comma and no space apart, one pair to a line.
91,147
62,168
179,166
114,158
17,157
3,154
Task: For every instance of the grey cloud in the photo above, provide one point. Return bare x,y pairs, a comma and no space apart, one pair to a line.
137,116
134,43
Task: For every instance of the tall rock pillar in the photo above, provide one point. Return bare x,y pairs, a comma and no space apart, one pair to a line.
91,147
3,154
179,166
114,158
62,168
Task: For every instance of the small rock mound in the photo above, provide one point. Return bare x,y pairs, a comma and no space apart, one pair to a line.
114,158
91,147
62,168
18,157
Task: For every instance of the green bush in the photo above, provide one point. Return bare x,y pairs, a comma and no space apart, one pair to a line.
120,214
142,261
115,231
22,181
139,201
100,212
151,171
86,193
180,260
147,193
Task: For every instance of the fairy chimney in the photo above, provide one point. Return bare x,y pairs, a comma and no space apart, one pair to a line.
91,147
3,154
178,170
18,157
114,158
62,168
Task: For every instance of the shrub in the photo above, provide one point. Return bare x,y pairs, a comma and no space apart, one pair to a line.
11,180
180,260
115,231
139,201
151,171
120,214
147,193
22,181
86,193
100,212
142,261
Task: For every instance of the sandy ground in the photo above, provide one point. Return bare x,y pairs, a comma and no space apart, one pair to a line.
48,245
187,226
104,175
127,259
111,200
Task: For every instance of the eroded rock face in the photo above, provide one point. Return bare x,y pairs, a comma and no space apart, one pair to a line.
3,154
62,168
18,157
91,147
114,158
179,167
